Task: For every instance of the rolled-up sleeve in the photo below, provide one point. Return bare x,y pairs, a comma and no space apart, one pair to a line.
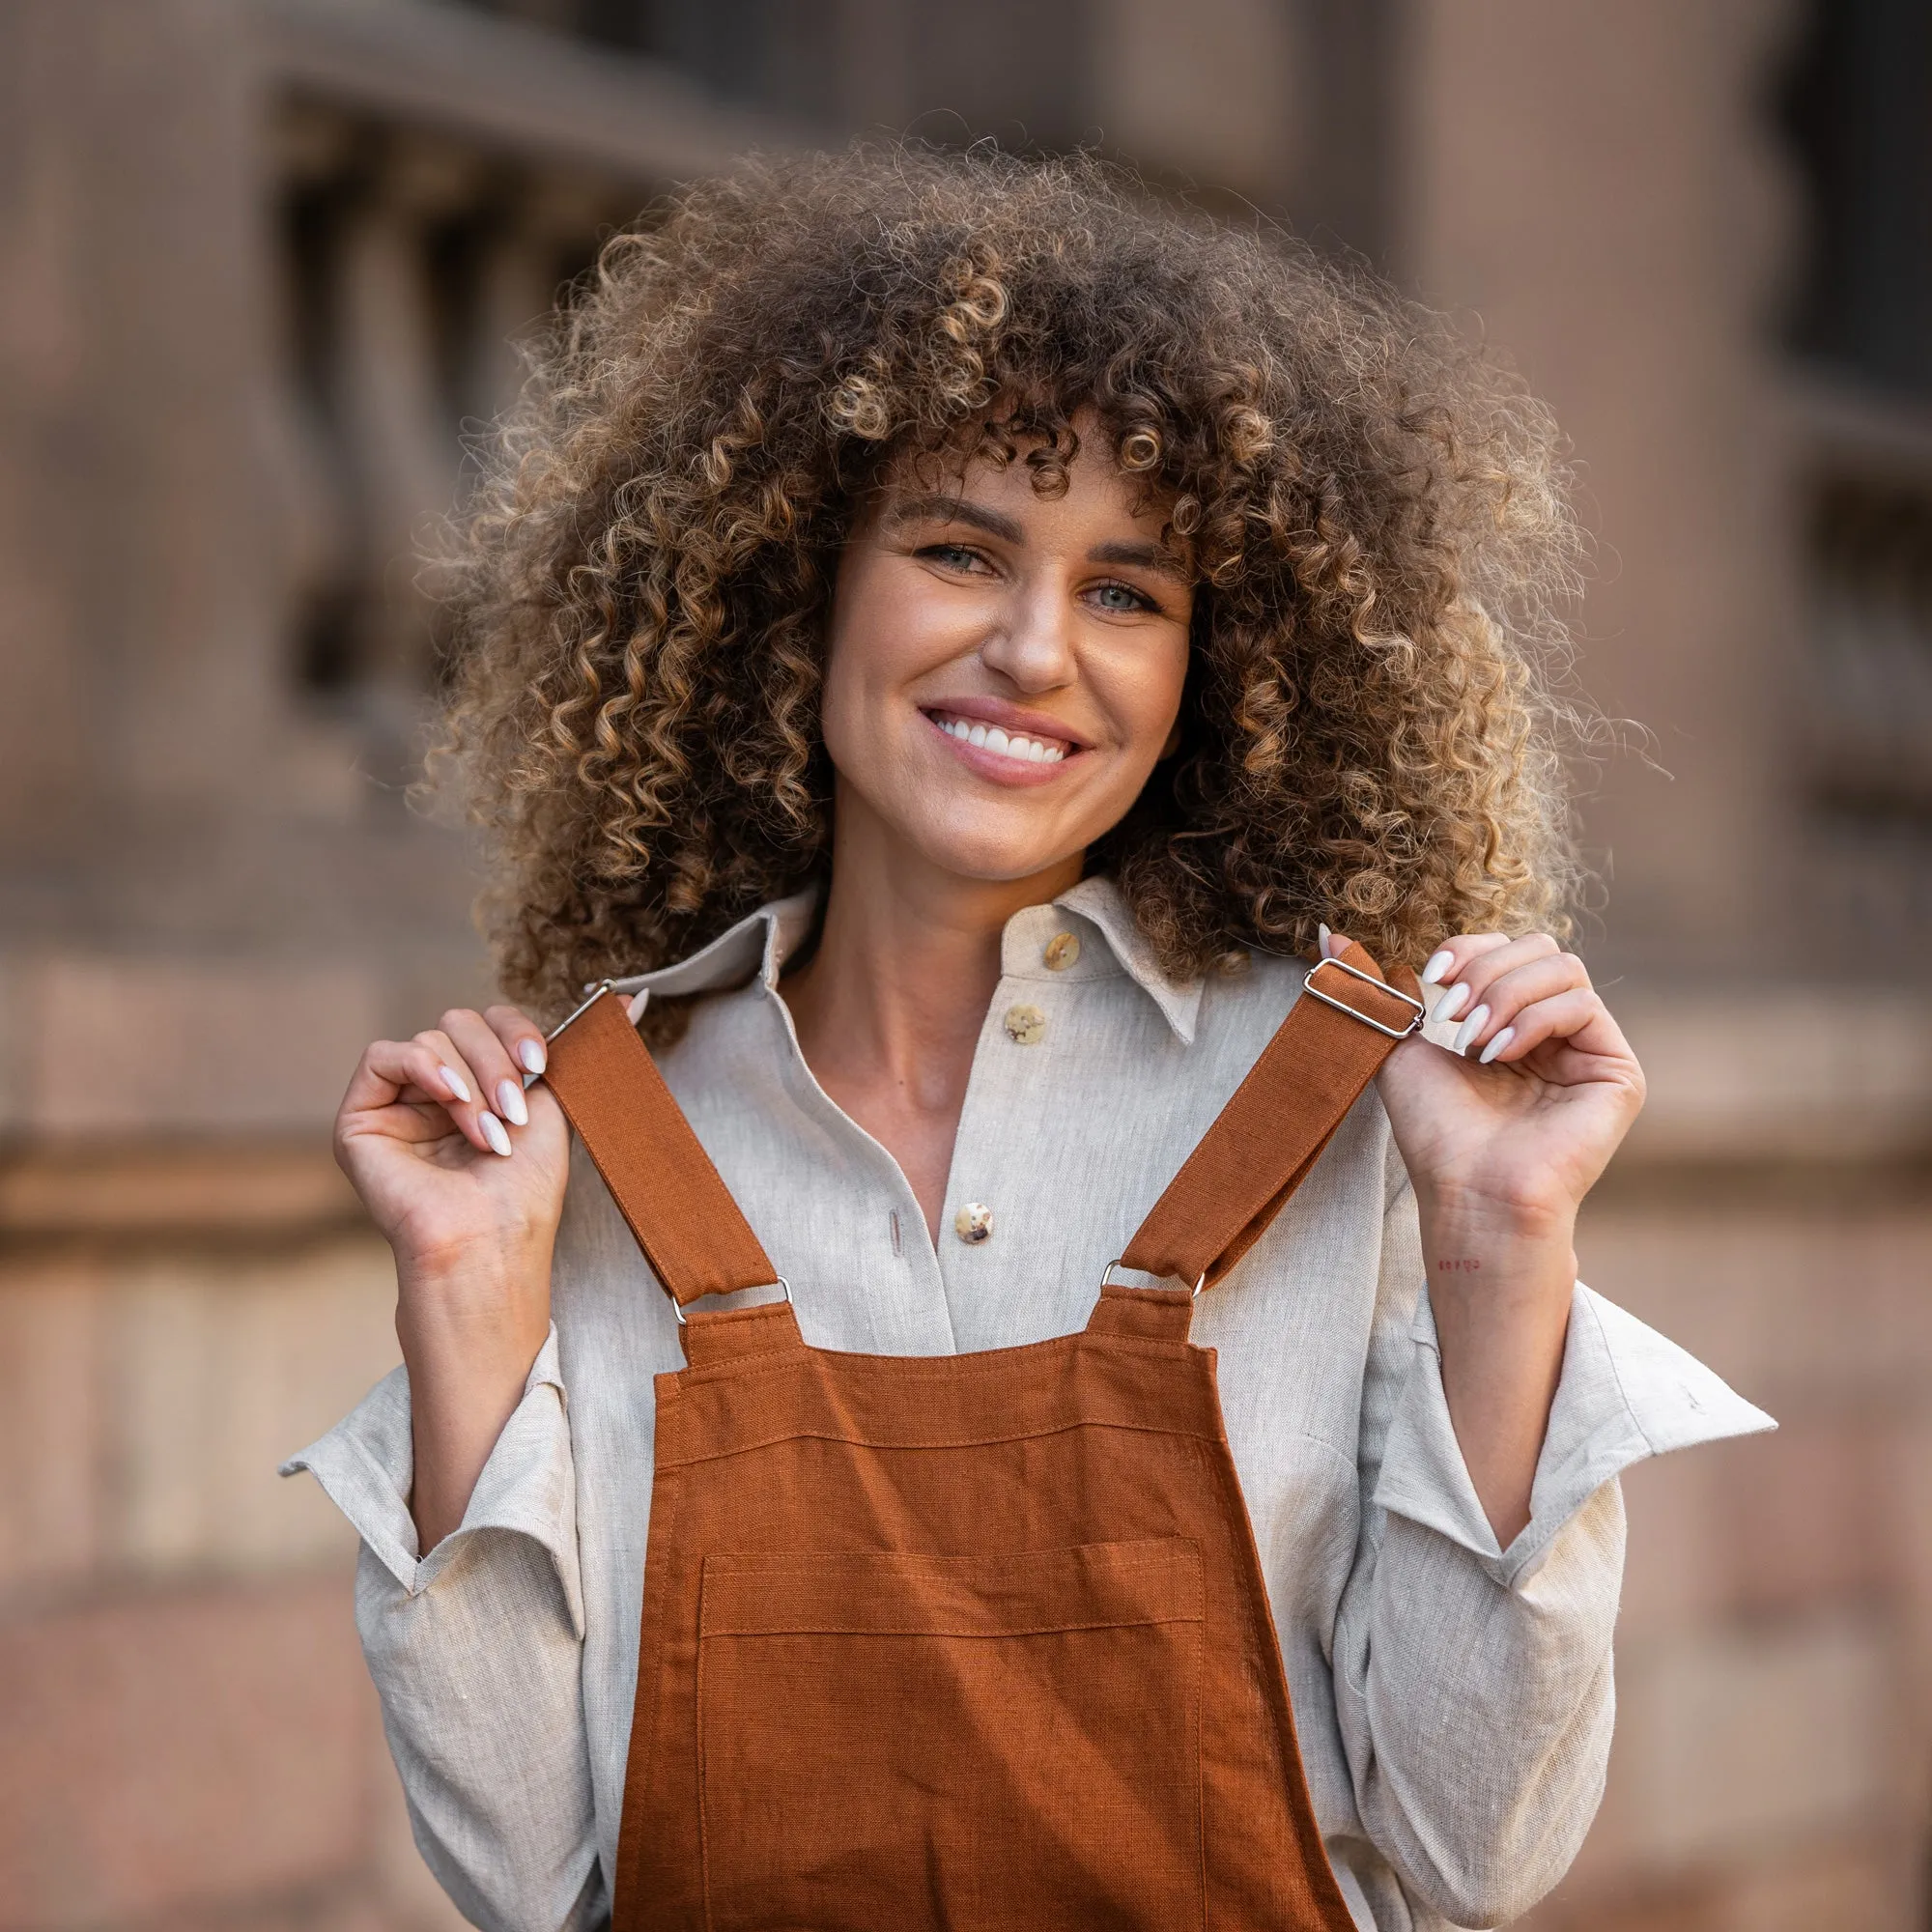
1473,1683
475,1649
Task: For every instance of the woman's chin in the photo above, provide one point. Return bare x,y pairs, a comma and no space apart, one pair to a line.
992,855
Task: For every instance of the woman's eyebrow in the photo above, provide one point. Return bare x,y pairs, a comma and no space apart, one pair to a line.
1141,555
955,510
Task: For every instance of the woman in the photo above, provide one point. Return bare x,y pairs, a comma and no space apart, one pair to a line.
950,643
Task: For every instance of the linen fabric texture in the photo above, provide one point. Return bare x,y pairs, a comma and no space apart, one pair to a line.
1452,1699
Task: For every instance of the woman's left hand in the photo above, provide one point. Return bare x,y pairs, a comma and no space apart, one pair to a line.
1522,1118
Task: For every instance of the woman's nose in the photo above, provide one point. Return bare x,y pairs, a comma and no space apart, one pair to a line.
1033,645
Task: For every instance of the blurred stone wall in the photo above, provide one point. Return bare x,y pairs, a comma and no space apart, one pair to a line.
260,259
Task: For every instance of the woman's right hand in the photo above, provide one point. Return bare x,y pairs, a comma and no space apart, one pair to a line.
463,1173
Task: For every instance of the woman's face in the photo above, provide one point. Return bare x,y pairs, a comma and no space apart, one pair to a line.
1004,669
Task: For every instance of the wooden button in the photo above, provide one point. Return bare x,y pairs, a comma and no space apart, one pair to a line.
1062,950
1026,1026
973,1223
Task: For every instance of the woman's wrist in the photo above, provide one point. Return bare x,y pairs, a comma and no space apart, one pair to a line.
1477,1246
1503,1216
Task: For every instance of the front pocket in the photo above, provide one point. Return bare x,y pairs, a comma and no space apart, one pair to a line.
983,1744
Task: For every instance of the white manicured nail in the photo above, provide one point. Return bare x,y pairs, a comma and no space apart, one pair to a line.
1496,1045
1322,937
1470,1028
494,1132
531,1053
510,1103
1439,963
634,1007
1451,1002
453,1080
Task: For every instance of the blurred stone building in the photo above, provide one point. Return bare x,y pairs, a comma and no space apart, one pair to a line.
259,261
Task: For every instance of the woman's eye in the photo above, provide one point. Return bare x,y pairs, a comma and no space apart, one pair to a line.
955,556
1121,597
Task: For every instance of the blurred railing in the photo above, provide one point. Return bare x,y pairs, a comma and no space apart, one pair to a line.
434,177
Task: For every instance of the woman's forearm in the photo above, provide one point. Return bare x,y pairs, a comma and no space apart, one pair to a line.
470,1333
1500,1282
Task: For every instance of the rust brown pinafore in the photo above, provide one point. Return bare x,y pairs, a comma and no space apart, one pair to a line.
975,1643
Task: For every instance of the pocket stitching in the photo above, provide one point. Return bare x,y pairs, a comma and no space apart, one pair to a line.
739,1575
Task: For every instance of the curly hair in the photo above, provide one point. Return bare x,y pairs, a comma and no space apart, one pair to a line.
1374,509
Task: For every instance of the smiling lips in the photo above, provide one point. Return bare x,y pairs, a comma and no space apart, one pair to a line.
1017,746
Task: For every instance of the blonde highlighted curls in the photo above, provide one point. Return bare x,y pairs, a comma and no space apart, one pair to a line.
1375,511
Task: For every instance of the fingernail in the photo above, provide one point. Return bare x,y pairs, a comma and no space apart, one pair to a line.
494,1132
1451,1002
532,1053
1323,936
453,1080
510,1102
1496,1045
1470,1028
1439,963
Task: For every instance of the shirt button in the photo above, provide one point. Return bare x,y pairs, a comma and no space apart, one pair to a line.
1062,950
972,1223
1026,1026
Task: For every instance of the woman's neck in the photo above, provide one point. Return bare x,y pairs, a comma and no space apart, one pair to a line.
889,1006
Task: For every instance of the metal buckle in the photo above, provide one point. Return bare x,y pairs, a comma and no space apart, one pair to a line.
782,1282
1118,1263
1355,1012
595,993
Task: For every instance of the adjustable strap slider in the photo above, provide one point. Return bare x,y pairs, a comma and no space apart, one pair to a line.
1199,1280
776,1281
1418,1013
595,992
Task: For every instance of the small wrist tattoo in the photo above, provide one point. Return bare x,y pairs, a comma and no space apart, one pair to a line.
1464,1267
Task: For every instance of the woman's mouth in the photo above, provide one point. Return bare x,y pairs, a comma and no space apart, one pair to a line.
1021,747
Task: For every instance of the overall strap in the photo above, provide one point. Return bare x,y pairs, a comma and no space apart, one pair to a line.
1264,1142
692,1231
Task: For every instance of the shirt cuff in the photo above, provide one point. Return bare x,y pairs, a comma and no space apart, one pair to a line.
366,1464
1626,1393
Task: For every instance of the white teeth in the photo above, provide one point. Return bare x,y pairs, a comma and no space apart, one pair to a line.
1008,745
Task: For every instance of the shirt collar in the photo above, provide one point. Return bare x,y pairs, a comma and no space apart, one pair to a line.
755,947
758,945
1098,901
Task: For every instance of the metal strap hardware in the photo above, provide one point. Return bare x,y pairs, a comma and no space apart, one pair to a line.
1417,1015
594,994
1113,1265
776,1281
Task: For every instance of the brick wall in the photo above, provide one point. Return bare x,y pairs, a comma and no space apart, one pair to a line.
187,1736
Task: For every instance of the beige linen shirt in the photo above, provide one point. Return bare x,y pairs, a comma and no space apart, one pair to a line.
1454,1699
